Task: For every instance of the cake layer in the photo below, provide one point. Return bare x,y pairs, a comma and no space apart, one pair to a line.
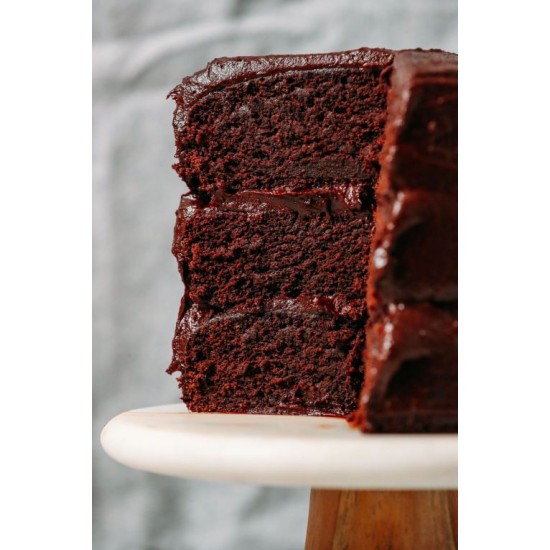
414,250
295,358
251,248
411,375
282,122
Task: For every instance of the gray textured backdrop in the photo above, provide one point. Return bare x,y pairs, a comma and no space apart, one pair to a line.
141,50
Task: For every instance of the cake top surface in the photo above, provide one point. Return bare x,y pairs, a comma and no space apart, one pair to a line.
228,70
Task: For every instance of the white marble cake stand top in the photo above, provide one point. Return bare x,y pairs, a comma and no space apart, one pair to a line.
278,450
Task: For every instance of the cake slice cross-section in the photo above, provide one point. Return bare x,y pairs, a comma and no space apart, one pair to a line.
296,249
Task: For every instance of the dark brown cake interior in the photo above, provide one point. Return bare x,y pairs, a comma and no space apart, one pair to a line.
307,359
273,247
297,130
246,251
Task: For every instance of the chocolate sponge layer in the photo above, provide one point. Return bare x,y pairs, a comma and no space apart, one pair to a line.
248,249
303,124
294,358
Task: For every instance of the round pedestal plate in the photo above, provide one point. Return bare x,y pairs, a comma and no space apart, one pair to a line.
368,491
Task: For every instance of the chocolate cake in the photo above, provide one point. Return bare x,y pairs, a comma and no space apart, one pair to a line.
412,289
297,251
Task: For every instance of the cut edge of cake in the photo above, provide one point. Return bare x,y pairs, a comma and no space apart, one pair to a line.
396,192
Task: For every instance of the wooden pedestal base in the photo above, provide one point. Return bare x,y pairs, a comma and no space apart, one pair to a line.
382,520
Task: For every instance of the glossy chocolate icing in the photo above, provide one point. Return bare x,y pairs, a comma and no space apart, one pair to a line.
412,291
332,200
415,246
192,317
417,343
421,146
415,249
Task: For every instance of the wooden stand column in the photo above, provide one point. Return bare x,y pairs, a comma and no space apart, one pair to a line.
382,520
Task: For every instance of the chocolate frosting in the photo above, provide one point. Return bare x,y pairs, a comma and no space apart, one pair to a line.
340,199
415,245
412,292
409,337
193,317
415,249
421,147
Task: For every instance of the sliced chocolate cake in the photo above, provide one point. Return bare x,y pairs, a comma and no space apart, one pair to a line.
282,158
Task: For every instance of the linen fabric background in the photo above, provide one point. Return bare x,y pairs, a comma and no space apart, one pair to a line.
141,49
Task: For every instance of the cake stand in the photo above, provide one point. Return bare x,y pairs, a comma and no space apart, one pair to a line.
368,491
